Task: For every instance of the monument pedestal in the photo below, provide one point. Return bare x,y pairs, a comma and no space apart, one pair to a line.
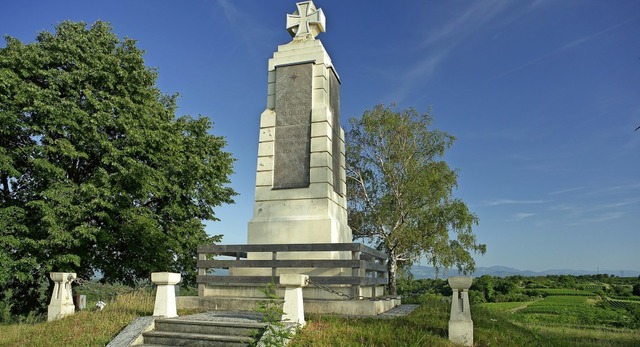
460,323
61,304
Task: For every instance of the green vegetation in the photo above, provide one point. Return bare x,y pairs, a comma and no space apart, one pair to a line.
401,192
544,319
277,332
594,310
89,327
97,173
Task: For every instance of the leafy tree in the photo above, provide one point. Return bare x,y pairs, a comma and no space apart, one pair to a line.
636,289
96,171
485,285
401,191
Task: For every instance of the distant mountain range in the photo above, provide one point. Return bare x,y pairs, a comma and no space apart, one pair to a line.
420,271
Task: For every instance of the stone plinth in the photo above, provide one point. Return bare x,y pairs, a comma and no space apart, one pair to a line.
61,304
460,323
165,304
293,305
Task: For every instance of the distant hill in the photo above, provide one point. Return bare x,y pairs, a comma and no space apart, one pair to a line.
420,271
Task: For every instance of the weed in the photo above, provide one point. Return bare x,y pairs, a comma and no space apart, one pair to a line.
277,332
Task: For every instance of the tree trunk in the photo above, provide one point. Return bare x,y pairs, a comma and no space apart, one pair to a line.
392,266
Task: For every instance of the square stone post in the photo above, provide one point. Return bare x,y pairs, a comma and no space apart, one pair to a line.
166,293
293,305
61,304
460,323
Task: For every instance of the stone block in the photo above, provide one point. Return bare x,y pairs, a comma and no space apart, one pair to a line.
293,303
165,304
265,149
267,119
293,280
61,304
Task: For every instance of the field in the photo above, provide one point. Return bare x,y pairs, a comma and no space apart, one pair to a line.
584,320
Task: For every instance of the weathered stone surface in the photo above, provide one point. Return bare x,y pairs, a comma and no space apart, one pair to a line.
131,335
334,105
61,304
165,304
298,197
293,126
293,308
460,323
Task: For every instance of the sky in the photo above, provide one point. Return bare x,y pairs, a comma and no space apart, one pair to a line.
542,96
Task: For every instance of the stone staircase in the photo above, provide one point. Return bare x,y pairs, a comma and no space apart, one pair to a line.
186,332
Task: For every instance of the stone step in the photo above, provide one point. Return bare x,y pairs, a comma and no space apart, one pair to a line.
165,338
229,328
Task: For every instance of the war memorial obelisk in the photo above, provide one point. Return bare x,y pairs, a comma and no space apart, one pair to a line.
300,178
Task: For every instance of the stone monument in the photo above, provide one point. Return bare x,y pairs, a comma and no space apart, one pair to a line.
460,323
61,304
300,179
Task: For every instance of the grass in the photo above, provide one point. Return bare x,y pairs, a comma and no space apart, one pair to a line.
427,326
494,325
89,327
564,321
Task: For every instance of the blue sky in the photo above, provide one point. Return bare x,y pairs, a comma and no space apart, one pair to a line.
543,97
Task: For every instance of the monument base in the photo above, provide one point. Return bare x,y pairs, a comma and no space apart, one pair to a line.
461,332
311,306
310,292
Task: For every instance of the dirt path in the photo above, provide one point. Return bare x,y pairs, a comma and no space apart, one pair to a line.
524,305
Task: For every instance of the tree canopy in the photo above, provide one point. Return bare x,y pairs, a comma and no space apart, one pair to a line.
401,191
97,174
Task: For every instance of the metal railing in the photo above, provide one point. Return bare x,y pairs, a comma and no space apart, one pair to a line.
368,265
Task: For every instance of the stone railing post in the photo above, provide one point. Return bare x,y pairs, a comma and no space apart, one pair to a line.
61,304
293,305
166,293
460,323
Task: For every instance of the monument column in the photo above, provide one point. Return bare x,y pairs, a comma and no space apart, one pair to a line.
300,178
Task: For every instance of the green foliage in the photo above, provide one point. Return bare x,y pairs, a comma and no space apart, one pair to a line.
636,289
401,191
277,333
426,326
89,327
414,291
96,171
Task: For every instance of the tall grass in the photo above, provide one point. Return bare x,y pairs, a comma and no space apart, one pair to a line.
89,327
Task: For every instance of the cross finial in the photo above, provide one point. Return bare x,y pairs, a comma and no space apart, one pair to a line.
306,22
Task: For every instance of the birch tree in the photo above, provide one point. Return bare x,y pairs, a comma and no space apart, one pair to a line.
400,192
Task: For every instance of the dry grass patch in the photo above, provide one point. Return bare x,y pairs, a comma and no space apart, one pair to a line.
86,328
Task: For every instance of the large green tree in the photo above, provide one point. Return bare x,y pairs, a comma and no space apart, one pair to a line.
401,191
96,171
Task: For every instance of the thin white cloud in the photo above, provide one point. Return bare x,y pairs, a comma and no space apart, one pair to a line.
565,47
564,191
251,35
617,188
522,215
604,217
513,202
467,22
438,44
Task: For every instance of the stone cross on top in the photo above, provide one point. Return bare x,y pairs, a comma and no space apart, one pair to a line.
306,22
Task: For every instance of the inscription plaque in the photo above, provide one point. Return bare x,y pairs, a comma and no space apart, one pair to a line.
292,146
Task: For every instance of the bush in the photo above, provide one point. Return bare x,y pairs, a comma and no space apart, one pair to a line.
5,306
